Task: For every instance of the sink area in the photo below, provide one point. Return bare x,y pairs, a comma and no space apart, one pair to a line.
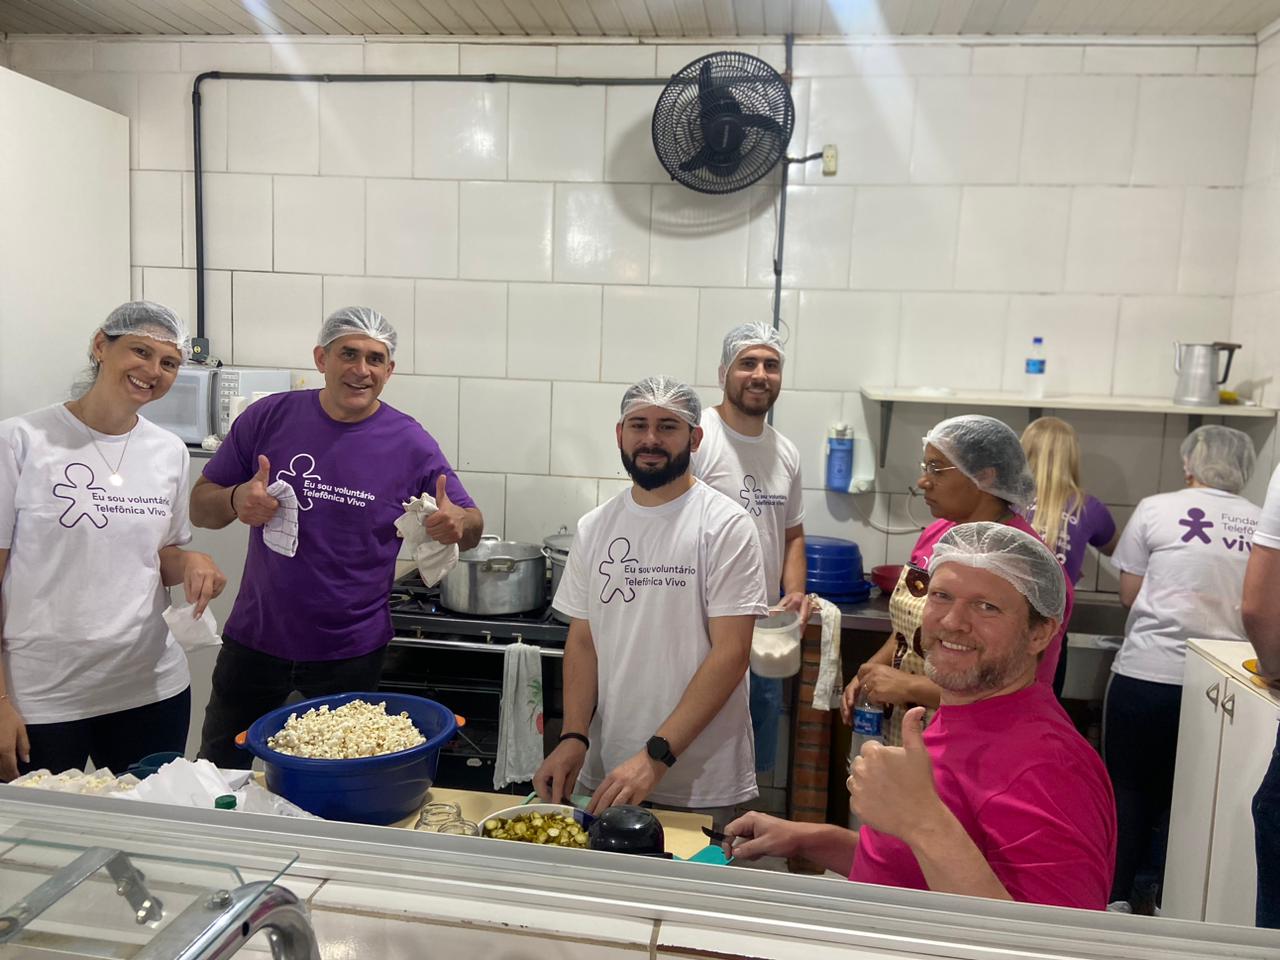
1098,613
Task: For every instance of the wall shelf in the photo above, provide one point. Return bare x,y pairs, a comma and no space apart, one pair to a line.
888,396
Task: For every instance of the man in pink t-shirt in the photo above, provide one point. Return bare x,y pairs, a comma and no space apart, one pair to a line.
1000,797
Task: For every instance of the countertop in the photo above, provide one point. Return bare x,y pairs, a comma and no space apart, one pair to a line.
1229,656
683,831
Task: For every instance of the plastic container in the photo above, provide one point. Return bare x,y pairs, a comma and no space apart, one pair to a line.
886,576
840,458
1035,370
380,789
835,570
775,645
151,763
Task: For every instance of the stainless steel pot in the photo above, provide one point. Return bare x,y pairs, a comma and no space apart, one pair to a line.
496,577
556,549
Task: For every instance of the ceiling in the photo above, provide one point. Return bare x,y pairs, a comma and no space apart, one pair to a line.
641,18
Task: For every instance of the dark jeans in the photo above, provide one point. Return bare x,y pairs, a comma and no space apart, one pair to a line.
1266,838
115,740
1140,744
247,684
766,708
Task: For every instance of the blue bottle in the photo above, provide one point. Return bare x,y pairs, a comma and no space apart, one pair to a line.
840,458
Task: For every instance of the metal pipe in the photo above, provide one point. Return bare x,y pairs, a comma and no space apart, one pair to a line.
214,927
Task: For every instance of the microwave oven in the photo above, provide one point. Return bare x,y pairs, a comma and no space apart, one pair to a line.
203,399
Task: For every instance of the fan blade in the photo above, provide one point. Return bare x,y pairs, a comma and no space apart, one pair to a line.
697,161
725,166
761,122
704,78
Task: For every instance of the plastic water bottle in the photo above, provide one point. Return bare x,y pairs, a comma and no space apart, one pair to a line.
1035,370
840,458
868,725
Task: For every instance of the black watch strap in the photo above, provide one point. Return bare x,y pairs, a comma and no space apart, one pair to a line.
580,737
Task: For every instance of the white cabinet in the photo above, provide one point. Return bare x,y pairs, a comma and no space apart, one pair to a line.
1227,730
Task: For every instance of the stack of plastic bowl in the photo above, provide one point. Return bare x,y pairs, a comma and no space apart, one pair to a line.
835,570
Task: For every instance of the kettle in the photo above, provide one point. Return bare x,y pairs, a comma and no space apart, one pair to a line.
1196,365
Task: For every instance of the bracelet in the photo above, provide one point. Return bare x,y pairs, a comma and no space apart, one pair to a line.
233,496
580,737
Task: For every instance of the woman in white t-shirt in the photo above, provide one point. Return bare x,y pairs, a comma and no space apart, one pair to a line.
1182,559
93,513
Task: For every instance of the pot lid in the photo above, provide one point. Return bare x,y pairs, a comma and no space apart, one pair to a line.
559,542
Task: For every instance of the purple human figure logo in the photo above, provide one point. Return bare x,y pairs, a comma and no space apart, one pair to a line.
78,492
1196,526
619,550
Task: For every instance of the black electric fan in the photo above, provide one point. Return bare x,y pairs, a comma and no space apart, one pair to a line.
723,122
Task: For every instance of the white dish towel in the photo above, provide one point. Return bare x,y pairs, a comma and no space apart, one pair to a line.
830,685
281,532
434,559
520,716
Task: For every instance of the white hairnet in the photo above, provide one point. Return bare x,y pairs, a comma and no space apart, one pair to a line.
142,318
357,321
665,392
976,444
743,337
1219,457
1012,555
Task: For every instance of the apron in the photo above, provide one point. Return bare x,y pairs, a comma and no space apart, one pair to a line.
905,615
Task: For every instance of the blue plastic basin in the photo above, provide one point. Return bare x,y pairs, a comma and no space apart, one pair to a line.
380,789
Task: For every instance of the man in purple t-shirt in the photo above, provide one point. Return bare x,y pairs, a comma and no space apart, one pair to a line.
1000,797
313,616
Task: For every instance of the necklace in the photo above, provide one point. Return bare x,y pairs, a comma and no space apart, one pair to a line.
114,479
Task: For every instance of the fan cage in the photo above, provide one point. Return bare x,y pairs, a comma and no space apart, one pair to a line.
678,119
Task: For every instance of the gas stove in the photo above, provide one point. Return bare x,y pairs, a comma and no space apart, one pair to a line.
416,613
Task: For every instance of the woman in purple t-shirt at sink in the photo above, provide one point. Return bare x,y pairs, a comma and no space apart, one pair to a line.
1067,519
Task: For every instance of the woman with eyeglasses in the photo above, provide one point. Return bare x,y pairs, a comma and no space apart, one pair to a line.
973,469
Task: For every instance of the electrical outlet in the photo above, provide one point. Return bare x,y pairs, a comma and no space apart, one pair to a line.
829,160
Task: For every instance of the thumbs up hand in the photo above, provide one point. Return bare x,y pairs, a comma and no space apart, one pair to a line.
446,524
891,789
250,500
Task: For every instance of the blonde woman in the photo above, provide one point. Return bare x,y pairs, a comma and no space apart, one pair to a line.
1066,518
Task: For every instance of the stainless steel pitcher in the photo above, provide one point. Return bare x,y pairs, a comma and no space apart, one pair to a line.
1196,365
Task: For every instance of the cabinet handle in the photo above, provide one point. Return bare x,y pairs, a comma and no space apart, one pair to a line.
1229,706
1212,694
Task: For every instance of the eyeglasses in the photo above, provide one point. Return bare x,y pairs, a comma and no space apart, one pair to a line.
931,469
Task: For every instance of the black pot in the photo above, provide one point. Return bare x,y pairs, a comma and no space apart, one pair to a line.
627,829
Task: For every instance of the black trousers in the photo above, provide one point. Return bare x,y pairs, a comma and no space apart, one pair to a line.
247,684
116,740
1140,745
1266,839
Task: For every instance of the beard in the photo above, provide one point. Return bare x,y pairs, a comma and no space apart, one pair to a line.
752,404
652,478
982,676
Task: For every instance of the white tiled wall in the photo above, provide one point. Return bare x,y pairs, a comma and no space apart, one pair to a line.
1254,318
536,257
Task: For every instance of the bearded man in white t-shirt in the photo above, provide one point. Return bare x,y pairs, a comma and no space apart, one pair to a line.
743,457
664,584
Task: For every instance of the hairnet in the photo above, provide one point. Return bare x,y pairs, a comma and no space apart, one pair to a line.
665,392
1012,555
976,444
142,318
1218,456
743,337
357,321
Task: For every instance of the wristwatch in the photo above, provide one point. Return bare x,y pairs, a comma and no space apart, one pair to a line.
659,749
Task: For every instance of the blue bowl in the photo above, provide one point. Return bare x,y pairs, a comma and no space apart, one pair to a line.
151,763
380,789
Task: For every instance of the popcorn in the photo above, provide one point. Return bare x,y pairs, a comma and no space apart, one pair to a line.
356,729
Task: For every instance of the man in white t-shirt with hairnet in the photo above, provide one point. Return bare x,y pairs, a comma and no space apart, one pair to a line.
664,584
743,457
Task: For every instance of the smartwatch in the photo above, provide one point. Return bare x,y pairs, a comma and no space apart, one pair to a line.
659,749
